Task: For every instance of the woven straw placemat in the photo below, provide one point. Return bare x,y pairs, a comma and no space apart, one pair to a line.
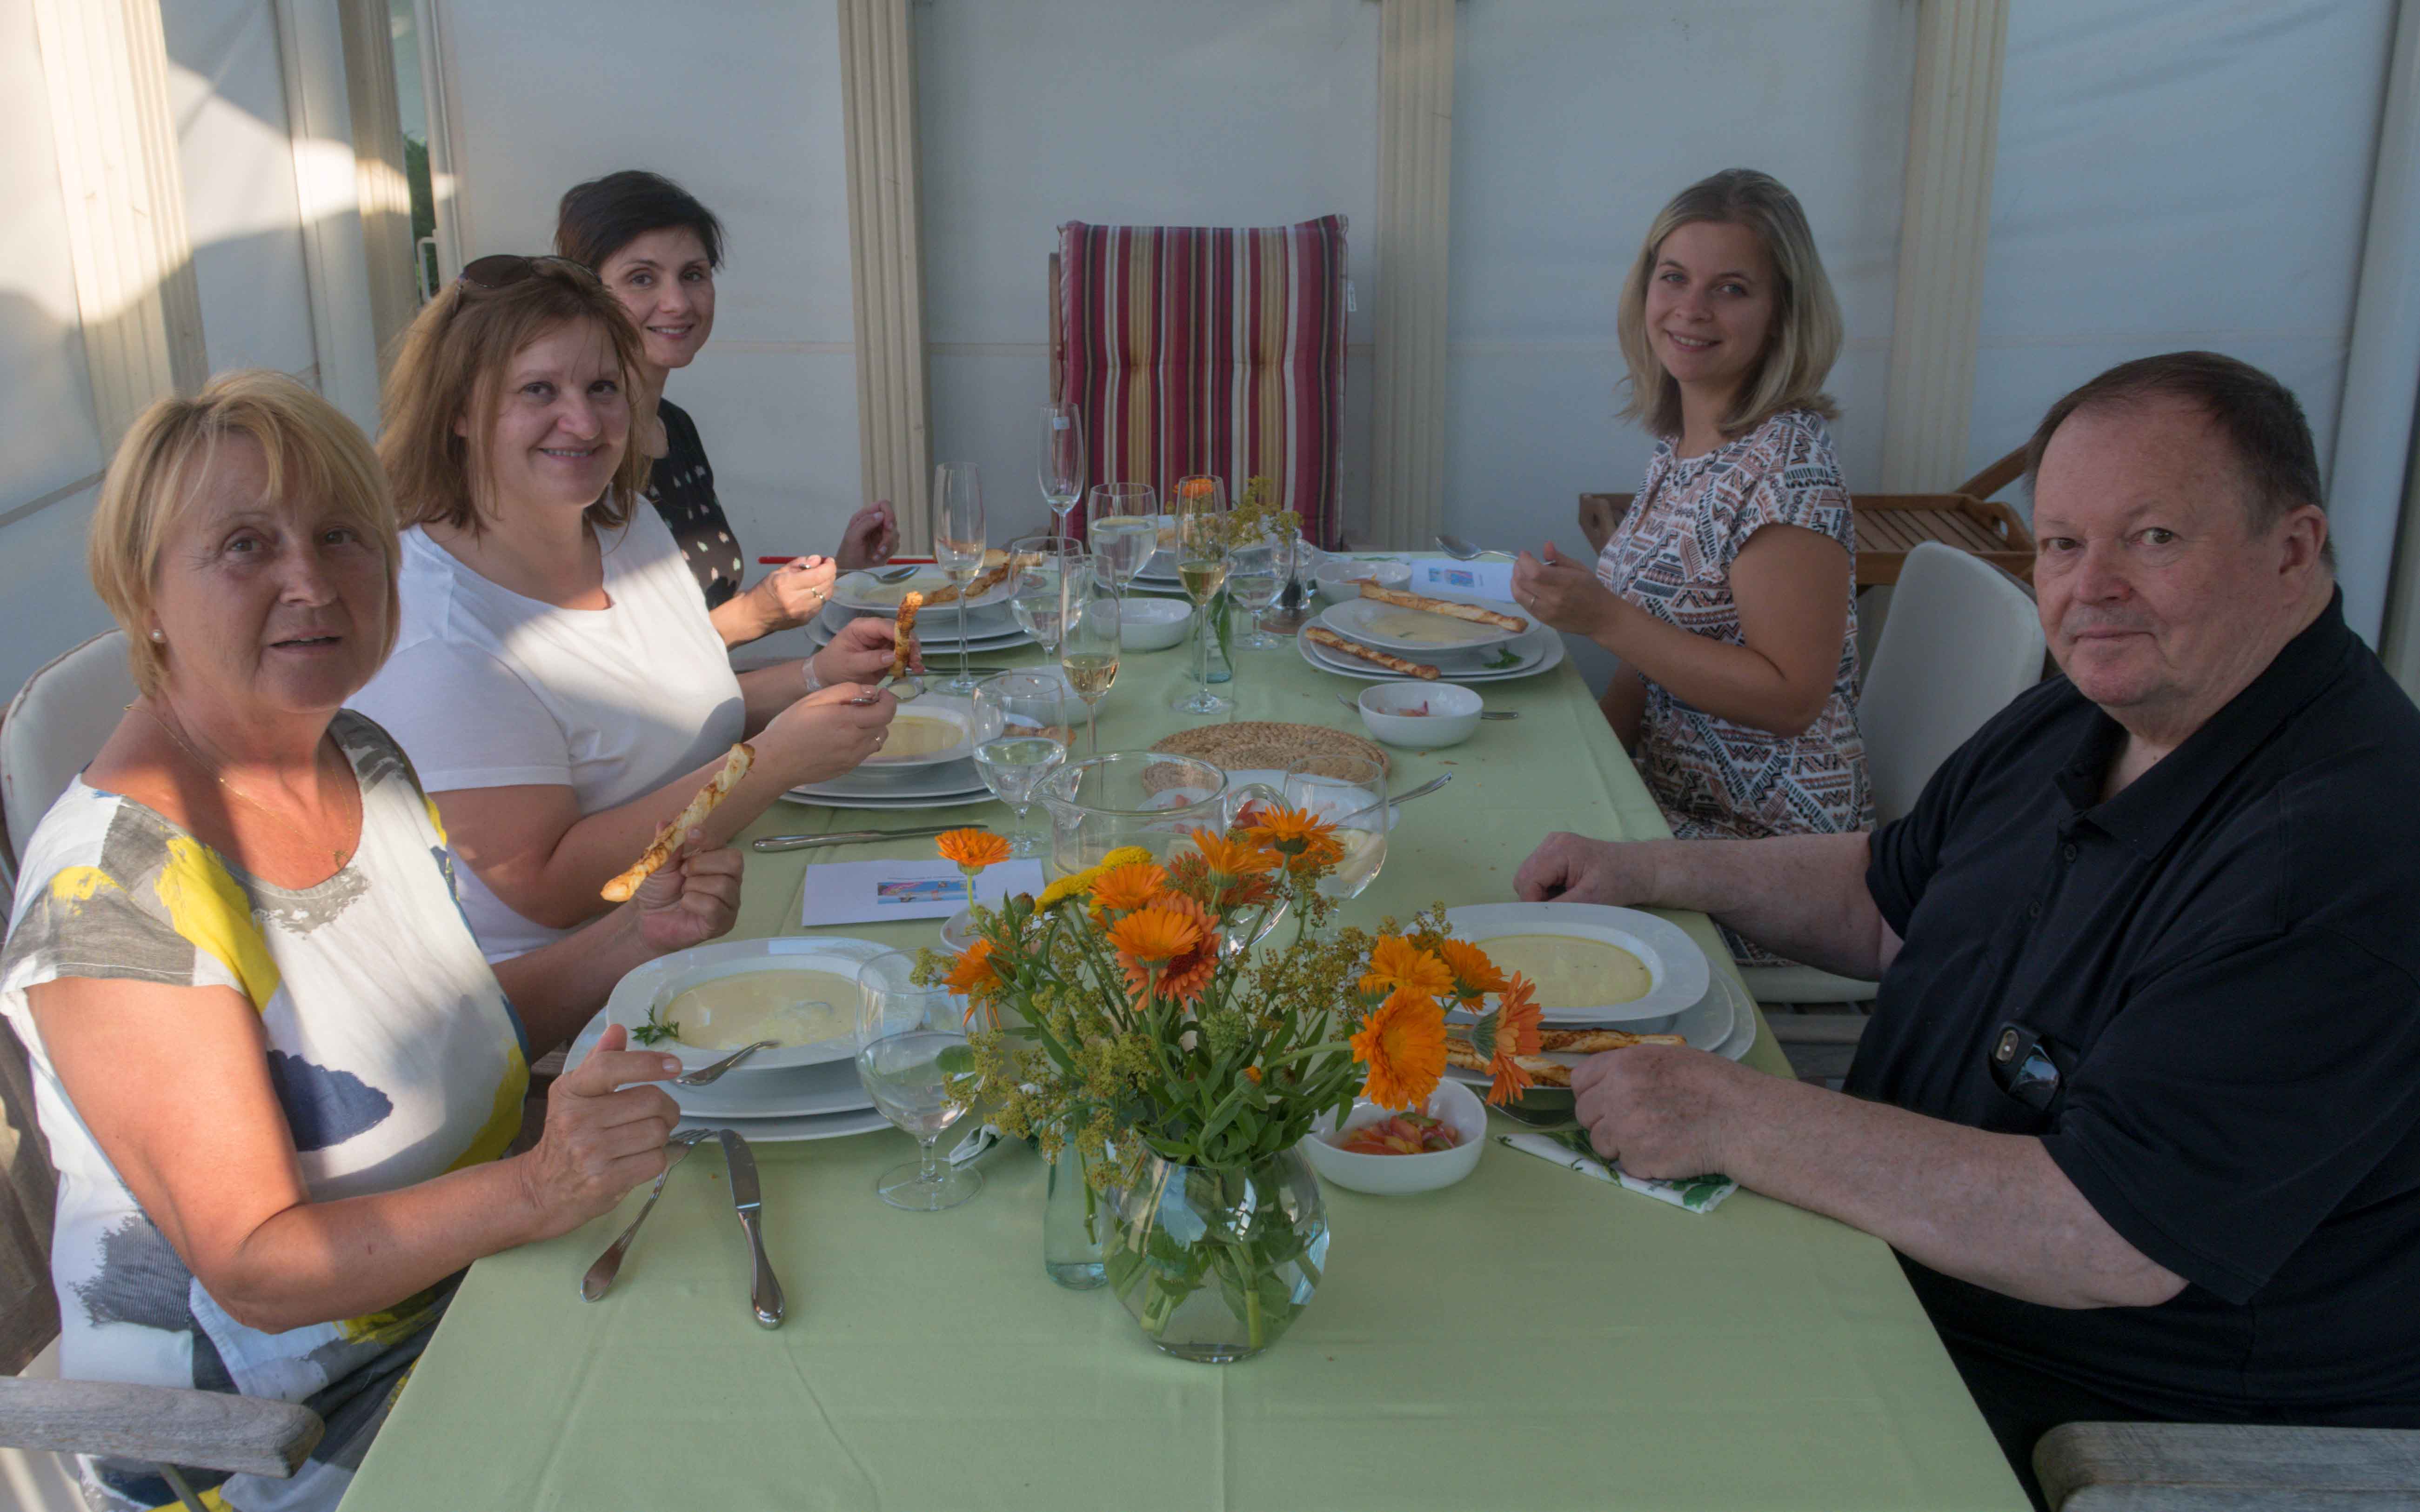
1249,744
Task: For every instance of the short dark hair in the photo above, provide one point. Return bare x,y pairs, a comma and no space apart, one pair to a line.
602,216
2260,418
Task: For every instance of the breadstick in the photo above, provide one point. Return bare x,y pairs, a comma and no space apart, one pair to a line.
1590,1042
1446,607
718,788
983,583
1320,635
905,633
1542,1072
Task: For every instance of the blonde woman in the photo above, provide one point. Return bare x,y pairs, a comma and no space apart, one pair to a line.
276,1077
1727,589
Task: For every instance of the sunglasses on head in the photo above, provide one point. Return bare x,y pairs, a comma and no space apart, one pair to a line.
503,269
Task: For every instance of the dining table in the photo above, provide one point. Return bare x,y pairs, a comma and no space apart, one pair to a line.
1527,1338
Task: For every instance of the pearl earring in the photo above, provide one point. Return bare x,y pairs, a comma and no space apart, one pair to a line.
157,636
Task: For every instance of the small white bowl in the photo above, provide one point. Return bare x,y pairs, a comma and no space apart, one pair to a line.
1153,623
1397,1175
1341,578
1454,712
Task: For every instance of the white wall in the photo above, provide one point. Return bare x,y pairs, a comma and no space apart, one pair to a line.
740,104
1141,112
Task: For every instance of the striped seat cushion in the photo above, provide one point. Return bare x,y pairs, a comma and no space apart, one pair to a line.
1203,349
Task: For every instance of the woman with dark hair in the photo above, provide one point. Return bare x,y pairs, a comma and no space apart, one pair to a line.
657,249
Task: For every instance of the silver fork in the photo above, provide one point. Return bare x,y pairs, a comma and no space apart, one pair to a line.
708,1075
601,1275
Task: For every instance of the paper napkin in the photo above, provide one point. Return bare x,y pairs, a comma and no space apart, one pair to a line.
1569,1149
873,892
1484,579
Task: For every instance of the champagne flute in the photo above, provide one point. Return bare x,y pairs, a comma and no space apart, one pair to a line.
1202,522
1090,629
1036,566
958,544
913,1060
1349,792
1061,473
1255,572
1123,526
1019,742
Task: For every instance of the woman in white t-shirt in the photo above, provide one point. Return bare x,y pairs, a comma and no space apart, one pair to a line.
557,680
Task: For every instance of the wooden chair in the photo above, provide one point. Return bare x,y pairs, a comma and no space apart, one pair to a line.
1890,525
1205,349
2225,1467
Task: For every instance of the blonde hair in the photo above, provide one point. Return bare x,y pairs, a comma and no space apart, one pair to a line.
1806,335
450,366
306,445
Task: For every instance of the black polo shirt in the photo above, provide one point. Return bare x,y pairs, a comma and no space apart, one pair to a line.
2224,960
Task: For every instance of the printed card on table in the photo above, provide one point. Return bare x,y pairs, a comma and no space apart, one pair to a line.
871,892
1463,579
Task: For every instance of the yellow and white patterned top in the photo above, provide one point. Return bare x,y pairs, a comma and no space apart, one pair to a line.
391,1048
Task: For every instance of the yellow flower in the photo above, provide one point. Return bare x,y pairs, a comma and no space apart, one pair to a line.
1398,966
1404,1045
973,849
1076,882
1474,975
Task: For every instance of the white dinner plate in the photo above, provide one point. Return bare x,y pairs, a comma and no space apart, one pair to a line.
986,629
1539,651
941,779
1676,966
784,1131
1359,619
880,772
859,591
891,805
828,1087
1724,1005
646,985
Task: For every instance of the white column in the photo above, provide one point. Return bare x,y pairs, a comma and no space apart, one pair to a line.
327,186
106,68
1415,185
381,186
1945,225
886,258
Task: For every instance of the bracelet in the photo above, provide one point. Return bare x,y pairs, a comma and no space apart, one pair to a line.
807,675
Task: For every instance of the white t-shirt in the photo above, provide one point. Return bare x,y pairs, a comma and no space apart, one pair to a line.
488,688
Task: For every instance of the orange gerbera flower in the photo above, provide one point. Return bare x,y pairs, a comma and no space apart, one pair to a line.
1186,976
1232,859
1304,841
1404,1045
1516,1034
1151,941
979,980
1122,889
973,849
1474,975
1398,966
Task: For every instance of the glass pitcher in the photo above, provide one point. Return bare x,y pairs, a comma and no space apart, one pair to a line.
1146,798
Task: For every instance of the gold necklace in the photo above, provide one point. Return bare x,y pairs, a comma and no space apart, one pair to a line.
339,856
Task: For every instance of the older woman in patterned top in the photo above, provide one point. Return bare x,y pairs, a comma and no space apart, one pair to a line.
277,1078
657,249
1727,591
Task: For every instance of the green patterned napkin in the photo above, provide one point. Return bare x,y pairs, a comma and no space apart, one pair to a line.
1569,1149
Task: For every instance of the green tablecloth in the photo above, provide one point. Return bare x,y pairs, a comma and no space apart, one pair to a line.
1527,1338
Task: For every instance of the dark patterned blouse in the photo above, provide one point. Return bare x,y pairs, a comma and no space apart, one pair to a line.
682,489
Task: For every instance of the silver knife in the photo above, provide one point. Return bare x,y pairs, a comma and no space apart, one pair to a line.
764,1286
851,837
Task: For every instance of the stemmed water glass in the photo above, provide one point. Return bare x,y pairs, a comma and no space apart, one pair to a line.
958,542
1036,566
1061,473
1202,522
1121,524
1256,570
1019,742
1349,792
1090,629
913,1060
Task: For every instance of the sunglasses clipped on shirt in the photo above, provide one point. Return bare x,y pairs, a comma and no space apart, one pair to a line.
2025,1065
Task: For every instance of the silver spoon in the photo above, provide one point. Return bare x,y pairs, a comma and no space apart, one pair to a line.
1462,550
1421,792
708,1075
1485,714
609,1265
894,575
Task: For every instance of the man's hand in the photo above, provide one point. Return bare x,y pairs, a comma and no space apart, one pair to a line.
868,538
1657,1108
1573,868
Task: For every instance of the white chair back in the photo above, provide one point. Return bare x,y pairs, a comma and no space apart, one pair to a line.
54,728
1961,640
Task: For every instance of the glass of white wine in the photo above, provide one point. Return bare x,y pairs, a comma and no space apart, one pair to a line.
1121,524
1062,470
913,1060
1090,629
958,544
1020,741
1349,792
1202,522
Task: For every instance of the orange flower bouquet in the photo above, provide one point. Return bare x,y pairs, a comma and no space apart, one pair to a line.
1125,1006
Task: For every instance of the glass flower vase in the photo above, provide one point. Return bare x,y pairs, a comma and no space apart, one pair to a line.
1078,1220
1217,1263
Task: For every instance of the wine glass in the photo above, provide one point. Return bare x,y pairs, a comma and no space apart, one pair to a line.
1256,570
958,547
1090,629
1061,473
1019,741
1036,565
1121,522
913,1060
1202,522
1349,792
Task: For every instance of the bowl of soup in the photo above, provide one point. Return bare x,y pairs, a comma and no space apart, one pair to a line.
1590,964
926,731
701,1004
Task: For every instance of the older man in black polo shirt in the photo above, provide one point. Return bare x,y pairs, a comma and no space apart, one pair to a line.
2139,1105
